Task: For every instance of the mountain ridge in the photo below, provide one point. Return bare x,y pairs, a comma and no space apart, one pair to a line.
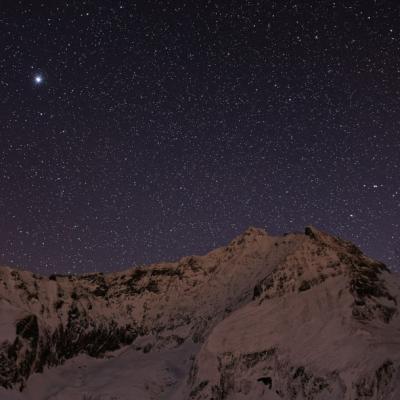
221,306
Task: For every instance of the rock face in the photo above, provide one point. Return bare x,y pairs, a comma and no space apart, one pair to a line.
303,316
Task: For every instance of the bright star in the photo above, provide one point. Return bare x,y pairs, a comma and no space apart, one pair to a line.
38,79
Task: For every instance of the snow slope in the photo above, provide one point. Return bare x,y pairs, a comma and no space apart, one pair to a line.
125,374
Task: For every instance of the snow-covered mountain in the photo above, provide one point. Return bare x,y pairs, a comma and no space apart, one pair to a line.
301,316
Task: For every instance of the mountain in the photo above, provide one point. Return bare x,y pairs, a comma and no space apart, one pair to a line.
299,316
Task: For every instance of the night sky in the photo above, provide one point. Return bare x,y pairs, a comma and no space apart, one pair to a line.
136,132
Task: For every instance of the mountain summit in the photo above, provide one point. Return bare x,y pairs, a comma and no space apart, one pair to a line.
299,316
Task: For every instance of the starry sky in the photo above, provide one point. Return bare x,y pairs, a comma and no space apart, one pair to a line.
135,132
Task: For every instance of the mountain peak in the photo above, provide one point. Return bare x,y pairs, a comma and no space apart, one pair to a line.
315,233
250,235
254,231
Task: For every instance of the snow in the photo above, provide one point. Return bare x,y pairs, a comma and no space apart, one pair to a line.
124,375
9,315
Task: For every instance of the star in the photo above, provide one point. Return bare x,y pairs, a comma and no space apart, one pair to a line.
152,142
38,79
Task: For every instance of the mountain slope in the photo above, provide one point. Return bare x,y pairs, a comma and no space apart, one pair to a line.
299,316
323,325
